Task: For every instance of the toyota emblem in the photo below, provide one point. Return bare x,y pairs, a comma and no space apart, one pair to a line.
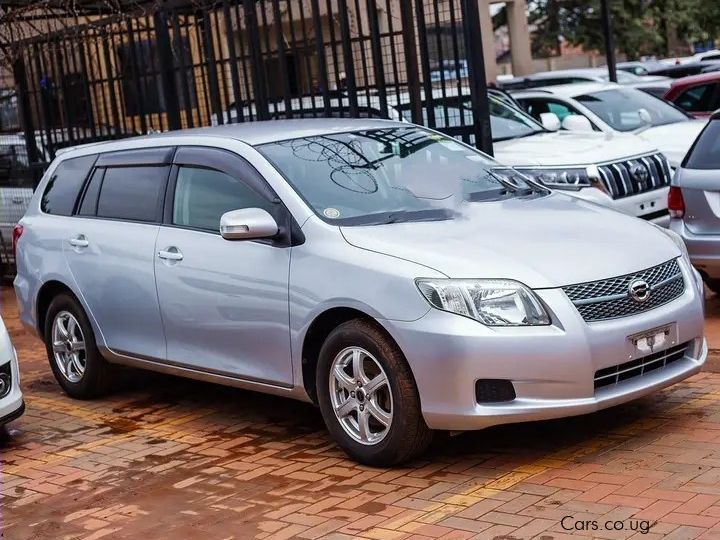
639,291
639,173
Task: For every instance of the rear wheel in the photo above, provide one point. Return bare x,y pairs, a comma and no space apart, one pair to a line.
368,396
74,357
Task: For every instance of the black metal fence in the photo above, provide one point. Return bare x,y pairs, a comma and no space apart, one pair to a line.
245,60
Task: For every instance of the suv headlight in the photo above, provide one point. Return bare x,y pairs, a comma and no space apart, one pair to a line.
493,302
573,179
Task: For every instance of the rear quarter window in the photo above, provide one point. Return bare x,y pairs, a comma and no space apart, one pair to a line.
705,152
64,186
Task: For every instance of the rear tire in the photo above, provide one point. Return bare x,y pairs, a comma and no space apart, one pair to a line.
72,352
379,422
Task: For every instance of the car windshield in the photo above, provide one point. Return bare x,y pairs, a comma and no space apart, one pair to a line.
628,109
389,175
506,122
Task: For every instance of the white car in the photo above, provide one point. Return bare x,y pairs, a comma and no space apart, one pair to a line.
11,400
574,76
610,108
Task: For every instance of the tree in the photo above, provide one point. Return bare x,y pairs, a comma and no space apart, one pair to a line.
640,26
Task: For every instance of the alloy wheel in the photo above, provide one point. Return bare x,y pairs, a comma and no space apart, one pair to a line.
68,346
361,396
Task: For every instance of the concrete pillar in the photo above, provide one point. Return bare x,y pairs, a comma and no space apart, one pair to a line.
488,40
519,38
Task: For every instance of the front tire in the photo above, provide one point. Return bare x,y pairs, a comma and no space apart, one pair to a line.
713,284
72,352
368,397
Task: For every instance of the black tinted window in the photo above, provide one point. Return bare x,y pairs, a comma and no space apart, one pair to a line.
705,153
132,193
64,187
697,99
202,196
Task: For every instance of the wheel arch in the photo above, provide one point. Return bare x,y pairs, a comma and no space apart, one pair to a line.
45,295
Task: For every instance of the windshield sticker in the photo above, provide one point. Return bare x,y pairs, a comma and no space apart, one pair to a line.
332,213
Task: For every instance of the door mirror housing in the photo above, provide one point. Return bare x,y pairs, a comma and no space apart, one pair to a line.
247,224
576,122
550,121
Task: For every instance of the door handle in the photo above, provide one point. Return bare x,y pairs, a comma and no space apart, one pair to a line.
79,241
170,254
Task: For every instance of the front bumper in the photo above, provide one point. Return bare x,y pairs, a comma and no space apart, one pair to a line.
551,367
704,249
12,405
651,205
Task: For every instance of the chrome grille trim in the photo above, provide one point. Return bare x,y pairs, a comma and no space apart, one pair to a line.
619,182
610,298
638,367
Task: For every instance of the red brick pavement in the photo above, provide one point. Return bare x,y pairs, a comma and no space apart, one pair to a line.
169,458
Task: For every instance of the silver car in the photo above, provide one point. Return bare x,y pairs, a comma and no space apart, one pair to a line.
694,202
396,277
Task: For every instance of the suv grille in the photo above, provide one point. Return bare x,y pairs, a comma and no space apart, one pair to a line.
626,178
638,367
610,298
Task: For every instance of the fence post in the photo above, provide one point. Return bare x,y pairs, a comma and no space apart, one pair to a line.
411,62
21,86
167,75
348,61
256,62
476,73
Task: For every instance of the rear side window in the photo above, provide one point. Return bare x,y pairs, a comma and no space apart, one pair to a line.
705,153
64,186
697,99
132,193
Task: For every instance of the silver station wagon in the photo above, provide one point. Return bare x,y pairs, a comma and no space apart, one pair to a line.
401,280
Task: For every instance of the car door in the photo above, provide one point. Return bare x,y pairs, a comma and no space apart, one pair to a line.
224,303
109,246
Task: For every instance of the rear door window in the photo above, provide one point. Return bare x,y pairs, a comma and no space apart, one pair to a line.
705,153
64,186
132,193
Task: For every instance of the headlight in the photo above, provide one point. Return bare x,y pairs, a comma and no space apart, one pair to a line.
560,178
493,302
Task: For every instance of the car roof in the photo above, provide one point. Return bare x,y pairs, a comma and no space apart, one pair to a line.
255,133
712,76
569,90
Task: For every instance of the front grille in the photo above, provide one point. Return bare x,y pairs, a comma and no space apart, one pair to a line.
638,367
610,298
634,176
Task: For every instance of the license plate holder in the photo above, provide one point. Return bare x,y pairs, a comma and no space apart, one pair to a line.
653,340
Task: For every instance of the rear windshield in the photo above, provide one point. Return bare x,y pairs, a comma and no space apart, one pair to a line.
705,153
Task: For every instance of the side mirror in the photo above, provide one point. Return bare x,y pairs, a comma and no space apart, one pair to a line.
247,224
576,122
550,121
645,116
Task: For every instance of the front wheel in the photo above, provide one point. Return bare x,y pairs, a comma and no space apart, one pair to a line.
368,396
713,284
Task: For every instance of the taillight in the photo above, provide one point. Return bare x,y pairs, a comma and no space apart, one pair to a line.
676,203
16,234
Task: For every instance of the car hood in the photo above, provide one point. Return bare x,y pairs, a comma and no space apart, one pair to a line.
564,148
543,242
673,140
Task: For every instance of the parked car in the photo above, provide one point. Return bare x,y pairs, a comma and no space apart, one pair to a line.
611,108
698,95
400,279
694,200
640,67
570,76
712,54
589,166
11,401
676,71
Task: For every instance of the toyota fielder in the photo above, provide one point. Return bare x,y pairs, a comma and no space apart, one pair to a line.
399,279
